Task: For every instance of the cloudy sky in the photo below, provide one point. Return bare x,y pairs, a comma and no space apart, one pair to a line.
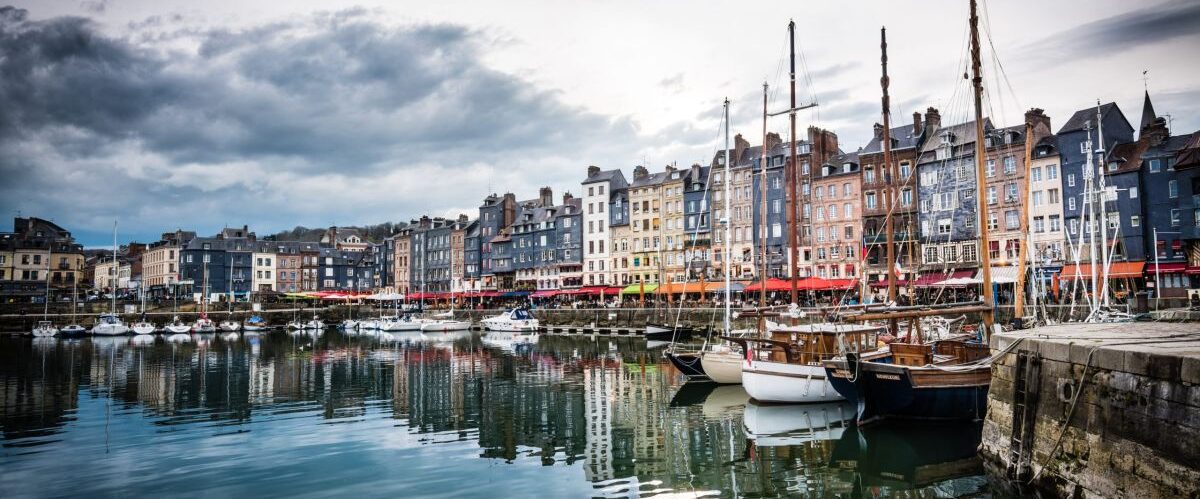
173,113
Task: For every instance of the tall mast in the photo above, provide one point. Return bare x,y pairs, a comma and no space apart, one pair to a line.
1023,249
1089,203
985,258
1102,195
890,193
794,209
725,219
116,271
764,231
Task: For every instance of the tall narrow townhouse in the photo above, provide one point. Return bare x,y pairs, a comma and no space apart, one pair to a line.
598,189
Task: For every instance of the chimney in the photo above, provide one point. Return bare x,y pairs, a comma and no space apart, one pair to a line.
640,172
333,235
1038,119
878,129
916,123
424,223
546,196
593,170
773,140
462,217
933,118
567,198
739,146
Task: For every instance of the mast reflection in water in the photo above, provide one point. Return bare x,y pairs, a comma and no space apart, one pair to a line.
409,414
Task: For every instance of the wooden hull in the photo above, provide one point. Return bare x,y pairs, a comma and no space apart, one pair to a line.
884,390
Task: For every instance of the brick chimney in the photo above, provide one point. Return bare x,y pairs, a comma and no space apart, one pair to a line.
878,129
545,197
916,123
1037,117
425,222
593,171
773,140
933,118
462,217
739,146
567,197
640,172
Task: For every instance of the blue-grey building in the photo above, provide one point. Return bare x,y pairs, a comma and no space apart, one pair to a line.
1073,145
495,214
336,270
697,226
946,193
220,265
776,229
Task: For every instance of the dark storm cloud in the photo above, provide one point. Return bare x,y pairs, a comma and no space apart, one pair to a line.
172,125
1148,25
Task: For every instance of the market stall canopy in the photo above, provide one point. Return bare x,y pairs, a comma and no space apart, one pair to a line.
675,288
939,279
634,289
773,284
1000,275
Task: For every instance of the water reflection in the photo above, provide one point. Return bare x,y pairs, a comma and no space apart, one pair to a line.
442,414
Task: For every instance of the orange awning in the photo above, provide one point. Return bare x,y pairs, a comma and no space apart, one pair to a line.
1117,270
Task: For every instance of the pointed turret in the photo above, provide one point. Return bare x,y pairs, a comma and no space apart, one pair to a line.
1148,115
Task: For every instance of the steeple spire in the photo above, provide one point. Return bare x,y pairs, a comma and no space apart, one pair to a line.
1148,115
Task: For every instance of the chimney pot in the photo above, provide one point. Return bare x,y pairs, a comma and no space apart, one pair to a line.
916,123
593,170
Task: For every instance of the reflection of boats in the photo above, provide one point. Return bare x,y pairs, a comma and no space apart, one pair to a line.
910,455
722,399
141,340
692,394
514,320
510,342
793,424
179,338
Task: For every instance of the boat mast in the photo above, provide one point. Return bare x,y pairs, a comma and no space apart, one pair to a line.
116,271
1102,196
725,220
1023,249
46,299
764,232
981,193
793,209
889,191
1089,204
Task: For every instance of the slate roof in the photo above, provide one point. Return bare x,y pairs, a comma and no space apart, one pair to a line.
902,138
964,133
1082,116
1189,156
604,176
649,180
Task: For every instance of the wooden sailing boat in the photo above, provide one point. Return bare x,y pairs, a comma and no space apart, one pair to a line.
45,327
943,380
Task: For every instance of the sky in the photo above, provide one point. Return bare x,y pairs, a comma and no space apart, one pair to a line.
165,114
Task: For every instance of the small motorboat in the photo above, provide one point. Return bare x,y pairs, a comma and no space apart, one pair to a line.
516,320
295,325
315,324
44,329
445,322
177,326
72,330
254,323
229,326
401,324
349,325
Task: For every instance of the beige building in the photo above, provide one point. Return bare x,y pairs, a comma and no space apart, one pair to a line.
111,274
673,233
265,268
160,262
646,225
402,257
1045,204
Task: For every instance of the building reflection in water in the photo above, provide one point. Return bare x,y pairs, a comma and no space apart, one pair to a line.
609,408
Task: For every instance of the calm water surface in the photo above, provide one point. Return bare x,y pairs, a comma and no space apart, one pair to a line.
472,415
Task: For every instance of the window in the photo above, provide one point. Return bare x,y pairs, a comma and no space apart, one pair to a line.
1083,148
992,221
1051,172
1155,165
990,168
931,254
969,253
1011,194
944,226
1070,203
1010,165
950,253
870,200
905,170
1039,224
1071,180
869,175
1053,195
906,197
1036,198
991,194
1035,174
1056,223
1175,220
1011,220
1073,226
1173,189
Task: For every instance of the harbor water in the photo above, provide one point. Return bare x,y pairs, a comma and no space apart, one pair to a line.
469,415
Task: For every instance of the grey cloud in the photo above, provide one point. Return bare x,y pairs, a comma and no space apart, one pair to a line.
1147,25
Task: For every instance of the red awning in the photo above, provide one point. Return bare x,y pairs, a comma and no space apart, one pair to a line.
1117,270
773,284
1167,268
822,284
613,291
931,279
545,293
883,283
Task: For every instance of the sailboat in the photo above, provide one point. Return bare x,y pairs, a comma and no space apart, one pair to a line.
176,326
229,325
110,324
203,324
45,327
942,380
143,326
73,329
